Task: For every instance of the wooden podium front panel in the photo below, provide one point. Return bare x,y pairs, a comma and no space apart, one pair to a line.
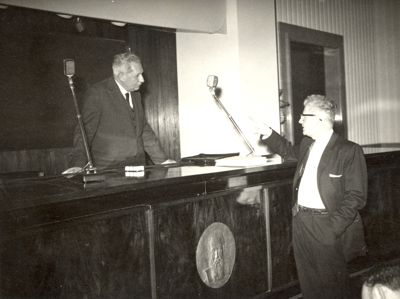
283,267
102,258
179,232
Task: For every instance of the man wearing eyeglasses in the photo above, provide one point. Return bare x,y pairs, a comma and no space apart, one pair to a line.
329,187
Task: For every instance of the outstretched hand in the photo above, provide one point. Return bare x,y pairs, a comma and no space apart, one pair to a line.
260,128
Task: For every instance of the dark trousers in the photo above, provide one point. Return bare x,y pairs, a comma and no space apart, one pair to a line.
320,263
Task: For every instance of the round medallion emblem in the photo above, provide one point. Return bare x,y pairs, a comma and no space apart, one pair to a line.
215,255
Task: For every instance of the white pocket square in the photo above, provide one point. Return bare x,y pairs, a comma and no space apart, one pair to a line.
331,175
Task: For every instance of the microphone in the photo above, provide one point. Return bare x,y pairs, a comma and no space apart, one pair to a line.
212,82
69,67
90,170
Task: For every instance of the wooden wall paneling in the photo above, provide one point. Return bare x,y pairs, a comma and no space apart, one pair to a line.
36,103
382,213
49,161
157,49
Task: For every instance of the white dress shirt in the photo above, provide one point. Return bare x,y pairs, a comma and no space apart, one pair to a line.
124,92
308,195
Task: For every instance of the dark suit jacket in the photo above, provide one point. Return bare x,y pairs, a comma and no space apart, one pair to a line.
116,135
342,183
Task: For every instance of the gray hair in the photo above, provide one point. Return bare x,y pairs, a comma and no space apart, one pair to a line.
322,103
123,61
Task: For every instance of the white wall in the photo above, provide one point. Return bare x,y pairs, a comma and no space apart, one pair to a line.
245,61
387,60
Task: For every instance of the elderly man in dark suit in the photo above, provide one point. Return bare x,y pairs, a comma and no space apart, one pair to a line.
117,131
329,187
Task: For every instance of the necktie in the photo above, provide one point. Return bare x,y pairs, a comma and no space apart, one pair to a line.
127,97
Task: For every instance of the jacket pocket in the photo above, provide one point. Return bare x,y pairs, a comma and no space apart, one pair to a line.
332,175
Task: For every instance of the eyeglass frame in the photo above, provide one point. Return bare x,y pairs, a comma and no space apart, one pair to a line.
308,114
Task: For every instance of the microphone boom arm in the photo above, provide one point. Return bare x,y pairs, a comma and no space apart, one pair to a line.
238,130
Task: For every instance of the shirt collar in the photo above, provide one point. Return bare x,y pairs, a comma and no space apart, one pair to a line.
324,137
121,89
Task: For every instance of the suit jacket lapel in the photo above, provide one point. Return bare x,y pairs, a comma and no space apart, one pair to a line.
116,93
326,155
302,163
120,98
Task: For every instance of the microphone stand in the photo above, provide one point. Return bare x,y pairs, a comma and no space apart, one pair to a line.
89,168
238,130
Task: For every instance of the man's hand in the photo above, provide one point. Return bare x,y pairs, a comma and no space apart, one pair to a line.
70,172
261,128
169,161
249,196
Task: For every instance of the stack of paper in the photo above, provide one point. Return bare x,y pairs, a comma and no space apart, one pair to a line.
242,161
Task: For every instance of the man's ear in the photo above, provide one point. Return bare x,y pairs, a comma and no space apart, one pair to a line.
120,76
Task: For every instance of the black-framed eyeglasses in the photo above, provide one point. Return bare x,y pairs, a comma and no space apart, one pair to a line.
308,114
